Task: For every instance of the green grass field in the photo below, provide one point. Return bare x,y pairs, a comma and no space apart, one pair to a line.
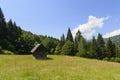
24,67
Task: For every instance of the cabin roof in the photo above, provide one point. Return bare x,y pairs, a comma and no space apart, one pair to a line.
38,46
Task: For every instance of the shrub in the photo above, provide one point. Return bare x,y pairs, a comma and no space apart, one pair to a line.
106,59
117,59
7,52
112,59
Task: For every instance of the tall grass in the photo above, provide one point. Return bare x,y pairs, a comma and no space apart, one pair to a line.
24,67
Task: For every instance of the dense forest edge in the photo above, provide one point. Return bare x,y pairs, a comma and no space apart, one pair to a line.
14,40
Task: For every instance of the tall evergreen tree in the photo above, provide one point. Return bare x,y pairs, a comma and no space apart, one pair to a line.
13,30
101,46
94,49
77,37
110,49
69,35
77,40
1,15
62,38
10,31
62,41
3,30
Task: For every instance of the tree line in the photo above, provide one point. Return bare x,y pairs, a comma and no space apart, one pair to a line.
95,49
14,40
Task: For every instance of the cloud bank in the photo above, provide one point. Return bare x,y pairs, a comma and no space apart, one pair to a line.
111,34
89,29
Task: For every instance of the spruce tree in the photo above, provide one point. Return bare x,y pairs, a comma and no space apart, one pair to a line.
62,41
110,49
94,49
101,46
77,40
77,37
69,35
1,15
3,30
62,38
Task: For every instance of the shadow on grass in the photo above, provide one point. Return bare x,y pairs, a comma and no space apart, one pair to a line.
48,58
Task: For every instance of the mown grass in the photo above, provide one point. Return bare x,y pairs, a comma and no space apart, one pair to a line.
24,67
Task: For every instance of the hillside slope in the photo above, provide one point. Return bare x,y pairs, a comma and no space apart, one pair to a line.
19,67
115,39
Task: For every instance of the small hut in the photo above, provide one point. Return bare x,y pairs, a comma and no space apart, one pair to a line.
39,52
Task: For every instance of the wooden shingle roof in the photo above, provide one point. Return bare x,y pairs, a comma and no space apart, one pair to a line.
38,46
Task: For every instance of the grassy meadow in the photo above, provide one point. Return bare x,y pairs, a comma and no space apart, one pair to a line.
24,67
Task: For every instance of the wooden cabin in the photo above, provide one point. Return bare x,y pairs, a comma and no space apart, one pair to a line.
39,52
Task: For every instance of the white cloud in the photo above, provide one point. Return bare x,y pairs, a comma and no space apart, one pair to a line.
88,29
111,34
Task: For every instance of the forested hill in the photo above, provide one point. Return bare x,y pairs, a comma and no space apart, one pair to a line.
15,40
115,39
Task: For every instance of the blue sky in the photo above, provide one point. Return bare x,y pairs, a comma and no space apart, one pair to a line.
53,17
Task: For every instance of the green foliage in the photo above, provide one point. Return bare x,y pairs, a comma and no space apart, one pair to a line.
58,49
52,50
14,32
63,38
69,35
101,46
106,59
1,15
25,43
116,59
3,30
94,48
110,49
113,59
118,52
6,52
50,43
82,48
68,48
77,40
77,37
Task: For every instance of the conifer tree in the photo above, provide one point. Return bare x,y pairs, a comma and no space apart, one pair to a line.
94,49
3,30
2,15
69,35
110,49
77,37
101,46
62,38
62,41
77,40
